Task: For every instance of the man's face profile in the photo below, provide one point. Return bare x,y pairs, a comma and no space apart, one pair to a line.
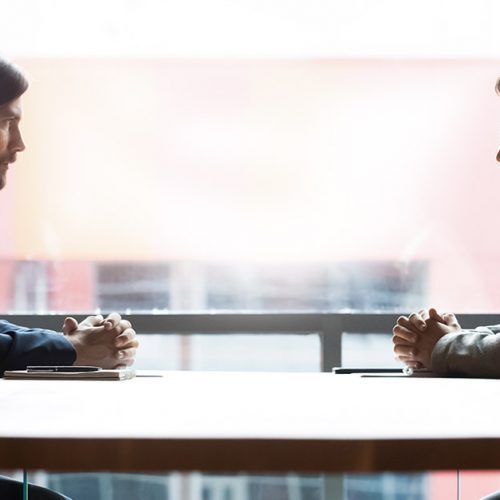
11,141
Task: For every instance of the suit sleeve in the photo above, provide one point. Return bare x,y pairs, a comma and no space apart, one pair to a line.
474,353
20,347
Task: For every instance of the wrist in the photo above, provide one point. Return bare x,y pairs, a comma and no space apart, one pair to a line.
74,341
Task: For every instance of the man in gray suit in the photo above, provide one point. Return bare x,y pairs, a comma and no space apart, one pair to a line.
427,339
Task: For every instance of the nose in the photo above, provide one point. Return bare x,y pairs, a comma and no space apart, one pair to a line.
16,144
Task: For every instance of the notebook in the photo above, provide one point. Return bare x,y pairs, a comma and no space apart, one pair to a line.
121,374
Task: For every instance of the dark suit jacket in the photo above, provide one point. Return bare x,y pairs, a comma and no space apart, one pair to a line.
20,347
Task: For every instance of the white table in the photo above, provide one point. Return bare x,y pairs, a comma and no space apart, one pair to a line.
234,421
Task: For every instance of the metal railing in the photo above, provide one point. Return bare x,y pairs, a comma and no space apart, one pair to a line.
329,326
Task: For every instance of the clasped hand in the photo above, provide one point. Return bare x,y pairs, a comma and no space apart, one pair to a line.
415,336
105,342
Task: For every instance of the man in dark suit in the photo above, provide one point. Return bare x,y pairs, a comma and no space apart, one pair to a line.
106,342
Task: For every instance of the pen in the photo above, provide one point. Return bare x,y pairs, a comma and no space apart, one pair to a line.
63,368
348,371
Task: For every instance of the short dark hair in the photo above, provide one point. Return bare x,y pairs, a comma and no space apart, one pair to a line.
12,82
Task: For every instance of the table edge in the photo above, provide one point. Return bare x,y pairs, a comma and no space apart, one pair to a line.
251,455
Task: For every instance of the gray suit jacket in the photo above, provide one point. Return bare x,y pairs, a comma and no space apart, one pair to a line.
474,353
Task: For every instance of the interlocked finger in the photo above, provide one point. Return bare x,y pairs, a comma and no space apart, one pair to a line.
400,341
124,323
112,320
126,356
408,351
404,333
417,322
127,339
